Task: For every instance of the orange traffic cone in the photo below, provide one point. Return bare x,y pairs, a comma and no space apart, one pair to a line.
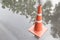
38,29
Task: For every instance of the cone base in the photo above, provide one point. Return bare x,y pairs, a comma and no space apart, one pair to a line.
38,33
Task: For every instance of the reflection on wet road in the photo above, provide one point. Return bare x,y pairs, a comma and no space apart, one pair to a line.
15,26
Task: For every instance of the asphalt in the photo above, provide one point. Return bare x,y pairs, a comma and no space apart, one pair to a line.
15,27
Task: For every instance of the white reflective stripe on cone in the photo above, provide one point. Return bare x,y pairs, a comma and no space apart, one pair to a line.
39,21
39,14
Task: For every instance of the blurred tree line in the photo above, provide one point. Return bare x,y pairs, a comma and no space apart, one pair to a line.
23,7
26,7
55,21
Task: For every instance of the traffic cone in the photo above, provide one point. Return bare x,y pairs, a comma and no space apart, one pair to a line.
38,28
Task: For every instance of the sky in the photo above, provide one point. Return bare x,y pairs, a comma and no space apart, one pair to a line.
55,1
52,1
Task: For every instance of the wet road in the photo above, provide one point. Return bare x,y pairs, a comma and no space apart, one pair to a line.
15,27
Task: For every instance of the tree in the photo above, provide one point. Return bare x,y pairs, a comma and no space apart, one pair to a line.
46,11
55,21
23,7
